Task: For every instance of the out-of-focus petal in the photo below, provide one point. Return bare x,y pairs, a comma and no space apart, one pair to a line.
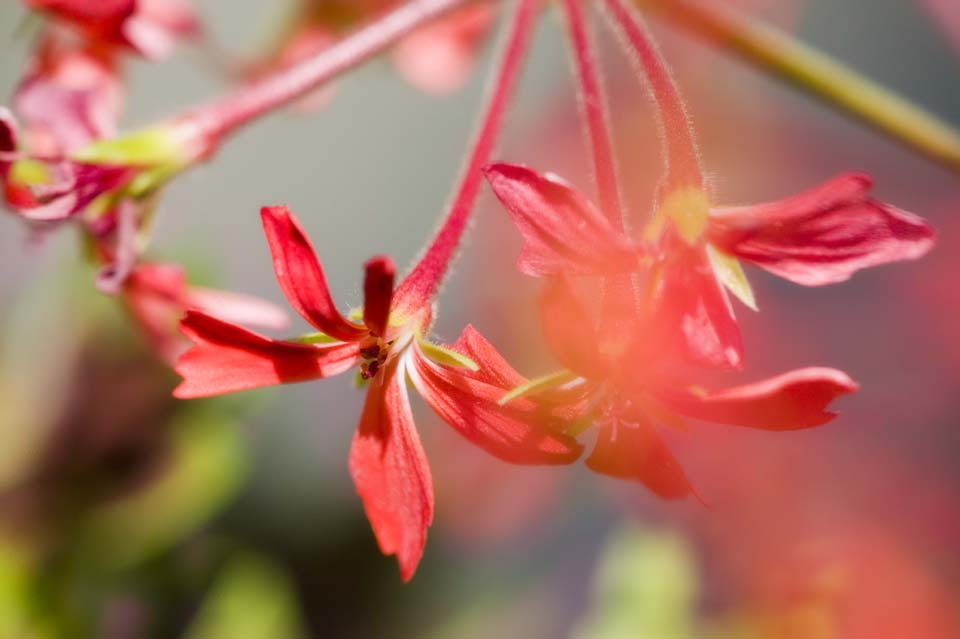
301,277
70,95
390,471
794,400
228,358
570,329
158,296
563,232
470,406
823,235
638,453
691,302
377,293
439,57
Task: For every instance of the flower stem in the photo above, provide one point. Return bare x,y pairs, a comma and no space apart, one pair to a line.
683,159
212,122
420,285
788,59
595,111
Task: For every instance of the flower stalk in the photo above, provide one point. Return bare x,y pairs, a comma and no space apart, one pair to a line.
423,281
783,56
225,115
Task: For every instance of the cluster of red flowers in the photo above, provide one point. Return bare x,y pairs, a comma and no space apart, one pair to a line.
635,318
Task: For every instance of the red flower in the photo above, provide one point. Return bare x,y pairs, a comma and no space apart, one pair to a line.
461,383
819,237
149,27
629,382
52,188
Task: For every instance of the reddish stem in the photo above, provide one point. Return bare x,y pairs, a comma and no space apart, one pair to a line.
619,301
420,286
219,118
595,112
683,160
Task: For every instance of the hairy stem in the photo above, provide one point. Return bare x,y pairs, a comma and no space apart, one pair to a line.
221,117
595,111
788,59
420,286
683,160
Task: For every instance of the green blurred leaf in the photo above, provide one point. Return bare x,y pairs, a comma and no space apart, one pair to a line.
208,463
252,597
645,586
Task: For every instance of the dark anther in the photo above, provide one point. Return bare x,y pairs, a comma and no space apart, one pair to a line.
370,352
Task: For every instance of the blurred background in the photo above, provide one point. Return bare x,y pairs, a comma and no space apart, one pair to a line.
125,513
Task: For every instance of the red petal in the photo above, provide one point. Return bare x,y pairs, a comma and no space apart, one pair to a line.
824,235
638,453
377,293
100,16
691,301
470,406
563,232
301,276
228,358
390,471
570,330
494,369
793,400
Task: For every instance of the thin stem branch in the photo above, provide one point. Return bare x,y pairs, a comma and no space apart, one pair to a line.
683,159
786,58
421,284
225,115
595,111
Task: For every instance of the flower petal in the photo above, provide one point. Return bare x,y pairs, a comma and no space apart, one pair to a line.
228,358
390,471
824,235
638,453
377,293
570,329
469,404
301,277
563,232
793,400
690,300
492,369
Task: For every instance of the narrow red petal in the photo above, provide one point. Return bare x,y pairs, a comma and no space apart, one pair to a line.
377,293
824,235
638,453
228,358
563,232
470,406
301,277
494,369
390,471
794,400
692,303
570,329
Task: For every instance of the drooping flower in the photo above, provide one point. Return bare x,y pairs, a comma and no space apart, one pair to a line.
460,383
630,382
625,355
819,237
387,341
149,27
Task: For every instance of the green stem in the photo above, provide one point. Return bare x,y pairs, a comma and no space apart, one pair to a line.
814,72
